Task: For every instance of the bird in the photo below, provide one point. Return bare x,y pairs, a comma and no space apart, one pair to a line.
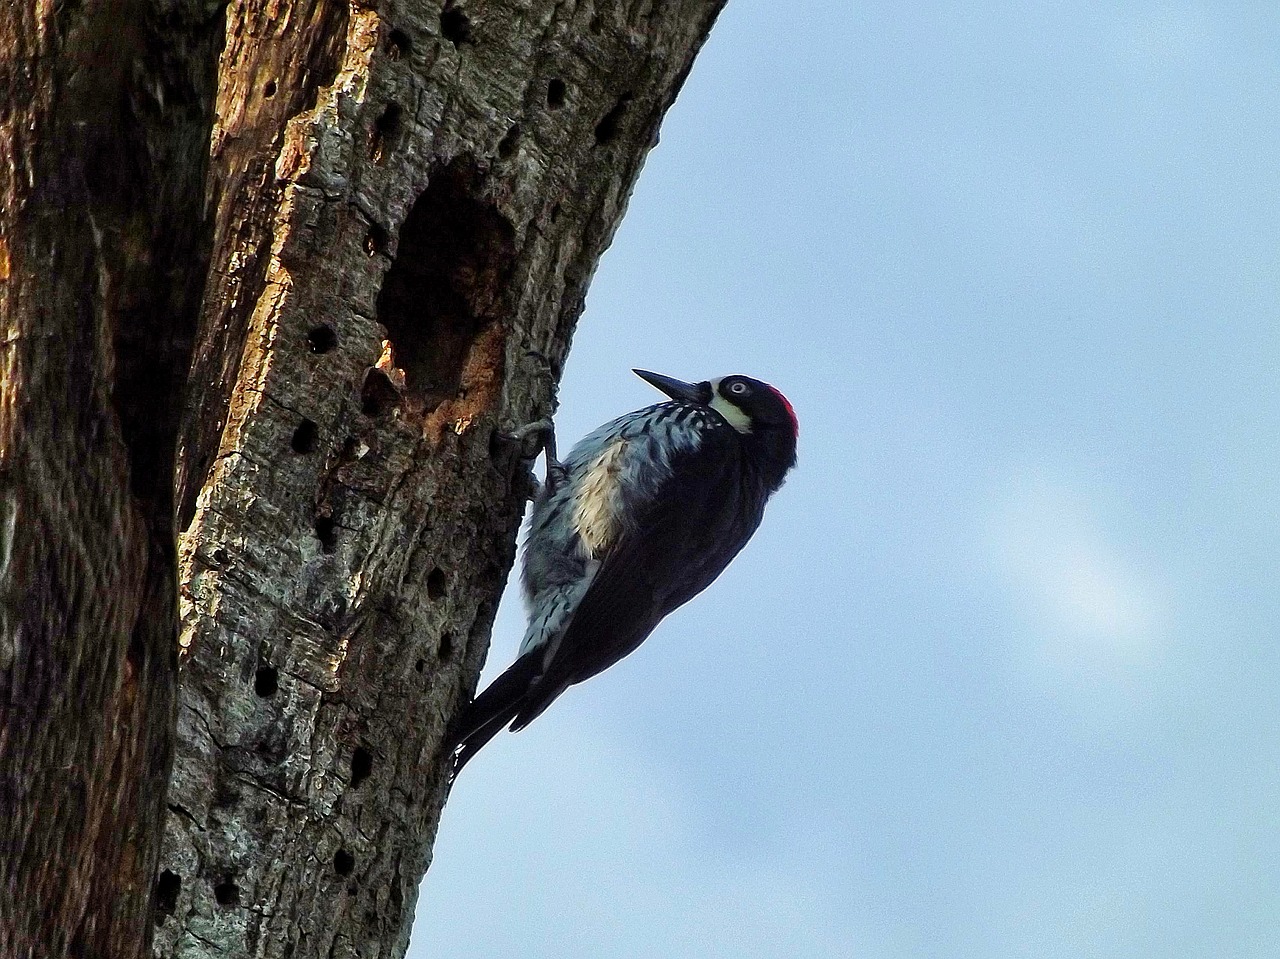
643,515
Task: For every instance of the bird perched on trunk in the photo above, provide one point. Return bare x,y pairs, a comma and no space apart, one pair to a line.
641,517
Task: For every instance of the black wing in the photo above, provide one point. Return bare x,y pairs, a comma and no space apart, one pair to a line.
684,533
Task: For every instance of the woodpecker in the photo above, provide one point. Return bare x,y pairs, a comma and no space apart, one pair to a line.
641,517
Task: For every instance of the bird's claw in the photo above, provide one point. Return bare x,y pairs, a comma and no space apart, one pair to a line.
545,432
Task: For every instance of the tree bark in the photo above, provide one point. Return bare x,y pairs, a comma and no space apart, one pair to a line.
104,125
403,207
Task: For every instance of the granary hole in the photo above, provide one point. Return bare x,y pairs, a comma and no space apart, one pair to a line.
375,241
399,45
609,125
227,893
509,142
266,681
555,93
378,394
386,129
361,766
327,533
322,339
168,887
343,862
445,649
436,584
305,437
455,25
269,90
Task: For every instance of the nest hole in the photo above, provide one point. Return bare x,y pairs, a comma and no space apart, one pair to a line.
448,284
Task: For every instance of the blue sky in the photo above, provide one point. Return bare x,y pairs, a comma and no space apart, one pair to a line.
998,675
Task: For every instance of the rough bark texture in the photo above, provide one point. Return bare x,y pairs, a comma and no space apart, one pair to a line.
409,201
370,227
104,125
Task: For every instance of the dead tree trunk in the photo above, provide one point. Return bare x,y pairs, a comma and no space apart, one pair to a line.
393,223
104,127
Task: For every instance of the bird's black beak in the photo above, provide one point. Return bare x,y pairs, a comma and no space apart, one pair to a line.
677,389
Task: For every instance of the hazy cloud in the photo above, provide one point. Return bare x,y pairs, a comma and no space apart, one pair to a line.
1088,601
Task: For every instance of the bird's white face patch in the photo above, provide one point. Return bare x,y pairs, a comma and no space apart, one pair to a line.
739,420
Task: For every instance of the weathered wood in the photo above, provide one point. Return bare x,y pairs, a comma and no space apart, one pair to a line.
409,202
104,124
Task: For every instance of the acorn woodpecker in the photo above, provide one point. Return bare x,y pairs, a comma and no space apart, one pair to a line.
641,517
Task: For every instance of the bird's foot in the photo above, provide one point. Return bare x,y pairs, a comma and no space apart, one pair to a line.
544,432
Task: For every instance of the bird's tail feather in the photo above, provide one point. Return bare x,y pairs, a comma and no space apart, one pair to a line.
487,714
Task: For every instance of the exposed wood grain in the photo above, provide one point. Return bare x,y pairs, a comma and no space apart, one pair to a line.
104,121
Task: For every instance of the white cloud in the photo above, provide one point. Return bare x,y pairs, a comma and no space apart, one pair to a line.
1088,603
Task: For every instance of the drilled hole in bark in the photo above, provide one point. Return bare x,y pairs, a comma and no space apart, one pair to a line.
168,886
322,339
378,394
436,584
447,286
385,131
607,128
375,241
269,90
343,862
220,556
455,25
227,893
399,45
326,532
445,649
555,93
361,766
509,142
555,213
420,665
305,437
266,680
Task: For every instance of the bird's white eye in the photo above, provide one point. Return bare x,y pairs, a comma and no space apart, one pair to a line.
738,388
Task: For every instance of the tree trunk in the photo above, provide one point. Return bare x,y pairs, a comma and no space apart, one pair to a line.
403,207
104,126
